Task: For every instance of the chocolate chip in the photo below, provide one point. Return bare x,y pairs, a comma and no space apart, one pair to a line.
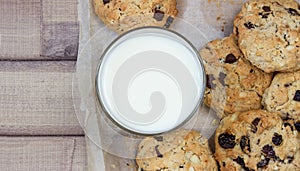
245,144
297,96
286,118
266,8
255,121
181,167
241,162
209,81
141,169
258,142
158,15
230,58
251,71
268,151
159,138
277,139
263,163
226,140
264,15
290,159
292,11
106,1
254,124
222,78
297,126
249,25
288,124
157,152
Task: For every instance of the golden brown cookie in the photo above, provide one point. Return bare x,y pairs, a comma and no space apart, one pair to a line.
268,33
284,95
181,151
128,14
233,83
256,140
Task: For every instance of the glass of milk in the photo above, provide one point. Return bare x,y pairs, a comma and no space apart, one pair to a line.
150,81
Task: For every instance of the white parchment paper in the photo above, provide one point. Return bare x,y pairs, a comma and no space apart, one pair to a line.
213,17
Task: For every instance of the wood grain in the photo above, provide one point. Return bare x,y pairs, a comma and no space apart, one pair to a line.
20,29
60,29
36,99
43,153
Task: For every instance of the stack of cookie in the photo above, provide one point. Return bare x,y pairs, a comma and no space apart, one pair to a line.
253,84
256,70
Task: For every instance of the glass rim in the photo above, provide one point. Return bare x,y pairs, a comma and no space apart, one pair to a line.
101,106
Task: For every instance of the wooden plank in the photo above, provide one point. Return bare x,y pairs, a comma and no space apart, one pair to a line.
20,29
80,159
43,153
59,11
36,99
60,29
60,40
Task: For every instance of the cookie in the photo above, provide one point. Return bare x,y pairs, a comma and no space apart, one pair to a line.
128,14
268,34
233,83
293,124
256,140
179,151
283,95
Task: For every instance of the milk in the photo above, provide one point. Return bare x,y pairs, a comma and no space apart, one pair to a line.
150,81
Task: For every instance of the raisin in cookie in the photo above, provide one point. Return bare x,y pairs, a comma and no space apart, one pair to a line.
293,124
269,34
127,14
233,83
284,95
256,140
181,151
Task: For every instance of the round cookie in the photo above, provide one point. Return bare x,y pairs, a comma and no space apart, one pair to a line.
269,34
179,151
284,95
128,14
256,140
233,83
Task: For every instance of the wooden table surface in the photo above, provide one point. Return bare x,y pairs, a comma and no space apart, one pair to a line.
38,126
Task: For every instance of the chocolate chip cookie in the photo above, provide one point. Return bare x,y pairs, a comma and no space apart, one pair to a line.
256,140
182,150
128,14
233,83
268,34
284,95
